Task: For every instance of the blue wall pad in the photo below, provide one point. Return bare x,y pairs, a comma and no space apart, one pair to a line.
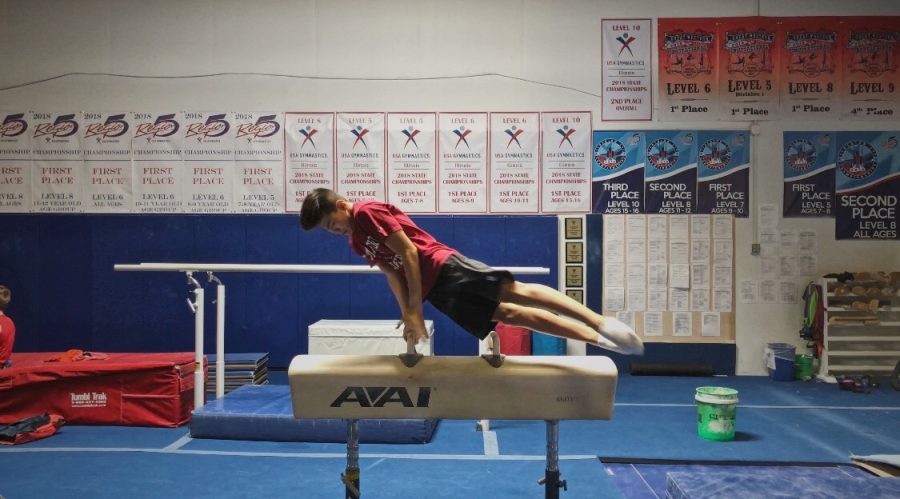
697,485
263,412
544,344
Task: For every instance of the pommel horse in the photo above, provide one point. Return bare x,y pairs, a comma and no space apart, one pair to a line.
354,387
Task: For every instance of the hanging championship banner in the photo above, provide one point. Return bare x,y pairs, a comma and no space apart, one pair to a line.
57,163
15,162
158,167
627,70
748,54
209,161
809,174
670,176
515,163
463,162
566,173
867,185
258,161
412,161
723,173
810,55
688,70
309,158
106,140
618,172
871,78
360,156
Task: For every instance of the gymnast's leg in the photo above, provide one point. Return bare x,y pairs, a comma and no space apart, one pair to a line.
536,298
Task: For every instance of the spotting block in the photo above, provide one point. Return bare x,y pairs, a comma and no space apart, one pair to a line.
382,387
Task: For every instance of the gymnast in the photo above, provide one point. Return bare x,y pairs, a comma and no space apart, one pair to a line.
7,329
475,296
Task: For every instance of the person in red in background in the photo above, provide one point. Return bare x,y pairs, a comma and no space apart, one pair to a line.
475,296
7,329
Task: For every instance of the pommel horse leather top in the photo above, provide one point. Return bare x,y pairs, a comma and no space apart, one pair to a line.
382,387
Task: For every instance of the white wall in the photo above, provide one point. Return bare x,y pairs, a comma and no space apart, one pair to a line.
342,42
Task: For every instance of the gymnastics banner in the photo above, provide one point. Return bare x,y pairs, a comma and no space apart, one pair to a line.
360,156
748,75
106,140
618,172
159,175
627,69
462,162
209,162
412,161
867,185
15,162
810,64
566,159
871,78
309,156
515,171
259,167
723,173
670,178
688,69
808,174
57,178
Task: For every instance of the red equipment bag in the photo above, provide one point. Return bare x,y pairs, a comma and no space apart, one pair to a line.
28,429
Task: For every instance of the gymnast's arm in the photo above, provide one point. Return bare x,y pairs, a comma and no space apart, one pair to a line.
397,283
413,318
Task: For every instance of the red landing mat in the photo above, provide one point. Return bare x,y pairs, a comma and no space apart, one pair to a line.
135,389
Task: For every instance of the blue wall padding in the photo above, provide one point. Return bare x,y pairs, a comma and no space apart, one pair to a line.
544,344
264,412
66,294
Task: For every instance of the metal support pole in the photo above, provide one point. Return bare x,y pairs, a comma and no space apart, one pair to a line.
350,477
197,307
551,480
220,335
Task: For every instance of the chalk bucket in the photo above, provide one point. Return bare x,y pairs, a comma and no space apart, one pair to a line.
803,366
716,408
780,361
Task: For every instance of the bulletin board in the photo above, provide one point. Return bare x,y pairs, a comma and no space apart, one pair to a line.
671,277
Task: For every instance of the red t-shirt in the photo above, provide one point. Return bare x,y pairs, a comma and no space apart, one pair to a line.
7,338
375,221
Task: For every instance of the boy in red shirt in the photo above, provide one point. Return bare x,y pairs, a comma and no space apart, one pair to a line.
475,296
7,329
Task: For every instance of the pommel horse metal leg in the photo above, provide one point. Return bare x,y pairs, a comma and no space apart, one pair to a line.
551,481
350,476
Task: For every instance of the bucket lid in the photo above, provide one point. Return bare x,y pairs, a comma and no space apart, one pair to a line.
717,392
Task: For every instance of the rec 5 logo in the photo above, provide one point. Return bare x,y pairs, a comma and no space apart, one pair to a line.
378,396
63,126
13,125
215,126
265,126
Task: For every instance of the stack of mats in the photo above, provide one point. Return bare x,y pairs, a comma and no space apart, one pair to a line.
685,485
240,369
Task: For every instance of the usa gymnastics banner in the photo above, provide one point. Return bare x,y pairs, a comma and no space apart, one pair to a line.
670,178
867,185
688,69
360,156
258,157
566,156
871,78
412,161
309,155
463,161
627,70
15,162
618,172
156,149
106,142
515,162
809,174
748,76
811,62
723,173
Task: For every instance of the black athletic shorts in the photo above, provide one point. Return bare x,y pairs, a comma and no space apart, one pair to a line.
468,292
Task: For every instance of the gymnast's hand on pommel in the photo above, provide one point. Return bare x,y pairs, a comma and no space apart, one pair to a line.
414,329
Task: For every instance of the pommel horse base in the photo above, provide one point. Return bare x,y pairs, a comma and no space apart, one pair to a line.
354,387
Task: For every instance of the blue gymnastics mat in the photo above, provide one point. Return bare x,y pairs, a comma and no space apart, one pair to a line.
263,412
728,485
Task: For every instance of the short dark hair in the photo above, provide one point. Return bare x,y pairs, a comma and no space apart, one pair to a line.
5,297
318,203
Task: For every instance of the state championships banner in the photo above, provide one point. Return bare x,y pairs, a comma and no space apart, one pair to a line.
412,161
627,70
515,162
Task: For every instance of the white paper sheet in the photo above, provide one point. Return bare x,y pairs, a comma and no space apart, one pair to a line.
679,251
637,299
653,324
700,299
614,250
807,241
614,274
722,276
679,299
627,317
700,226
806,265
657,251
613,299
710,324
722,227
636,250
636,226
768,215
657,227
768,266
679,275
748,290
700,275
637,275
682,323
722,299
788,240
723,252
657,299
657,275
788,291
699,250
679,226
768,291
787,265
614,226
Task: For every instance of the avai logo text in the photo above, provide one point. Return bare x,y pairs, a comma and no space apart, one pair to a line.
379,396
